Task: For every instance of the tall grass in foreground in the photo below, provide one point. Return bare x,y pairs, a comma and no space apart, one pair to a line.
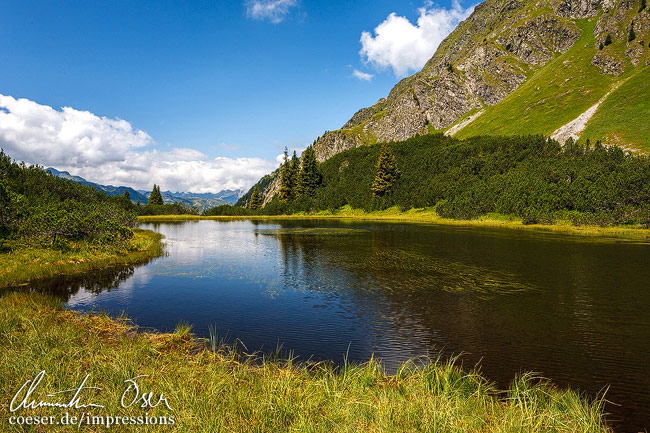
26,264
222,390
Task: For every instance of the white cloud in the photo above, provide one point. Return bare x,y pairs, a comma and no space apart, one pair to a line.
110,151
404,47
271,10
362,75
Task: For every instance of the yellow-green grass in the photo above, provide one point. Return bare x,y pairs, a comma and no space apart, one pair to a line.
430,216
623,118
553,96
23,265
220,390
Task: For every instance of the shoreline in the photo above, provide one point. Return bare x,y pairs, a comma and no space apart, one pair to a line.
24,266
270,392
429,216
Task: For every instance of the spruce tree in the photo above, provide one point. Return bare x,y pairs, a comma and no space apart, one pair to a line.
255,202
155,198
284,192
126,195
387,172
309,178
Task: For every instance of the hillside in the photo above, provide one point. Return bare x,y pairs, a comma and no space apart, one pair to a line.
516,67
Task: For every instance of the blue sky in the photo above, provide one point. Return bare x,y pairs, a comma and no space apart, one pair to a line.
203,81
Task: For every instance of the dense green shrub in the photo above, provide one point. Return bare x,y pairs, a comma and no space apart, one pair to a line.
531,177
229,210
168,209
37,207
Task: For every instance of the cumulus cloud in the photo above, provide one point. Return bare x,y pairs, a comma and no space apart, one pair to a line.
109,151
269,10
403,46
362,75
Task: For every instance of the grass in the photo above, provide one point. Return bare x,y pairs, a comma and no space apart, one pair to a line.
222,390
623,117
430,216
27,264
553,96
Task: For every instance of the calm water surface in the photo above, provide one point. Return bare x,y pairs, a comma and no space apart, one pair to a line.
575,311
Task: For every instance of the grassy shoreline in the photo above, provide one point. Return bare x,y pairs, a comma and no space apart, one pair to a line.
429,216
214,388
26,265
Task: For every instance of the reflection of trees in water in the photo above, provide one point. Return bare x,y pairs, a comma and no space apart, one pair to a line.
97,281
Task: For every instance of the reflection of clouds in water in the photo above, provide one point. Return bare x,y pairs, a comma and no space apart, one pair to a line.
84,297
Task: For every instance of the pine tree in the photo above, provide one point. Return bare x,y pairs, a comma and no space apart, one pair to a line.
387,172
643,5
126,195
155,197
309,178
608,40
255,202
288,176
284,192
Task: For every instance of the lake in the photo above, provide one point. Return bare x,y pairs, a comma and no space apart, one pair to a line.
574,309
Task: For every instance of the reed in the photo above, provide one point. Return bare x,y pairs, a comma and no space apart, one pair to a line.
213,387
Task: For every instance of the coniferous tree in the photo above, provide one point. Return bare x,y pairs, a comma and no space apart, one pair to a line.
284,192
309,178
294,168
155,197
255,202
126,195
289,176
643,5
387,172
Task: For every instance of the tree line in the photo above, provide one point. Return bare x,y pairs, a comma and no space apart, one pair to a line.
530,177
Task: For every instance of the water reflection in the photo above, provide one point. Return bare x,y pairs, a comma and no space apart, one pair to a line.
573,310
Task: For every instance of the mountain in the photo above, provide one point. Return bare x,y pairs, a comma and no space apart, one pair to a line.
141,196
562,68
520,67
201,201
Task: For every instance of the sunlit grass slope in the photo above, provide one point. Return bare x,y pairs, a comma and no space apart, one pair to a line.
624,117
553,96
222,391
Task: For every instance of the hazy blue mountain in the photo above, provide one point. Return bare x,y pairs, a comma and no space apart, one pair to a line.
201,201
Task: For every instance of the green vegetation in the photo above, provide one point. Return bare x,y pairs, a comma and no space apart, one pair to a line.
256,199
626,111
531,178
24,265
37,208
553,96
309,178
155,198
387,172
166,209
212,388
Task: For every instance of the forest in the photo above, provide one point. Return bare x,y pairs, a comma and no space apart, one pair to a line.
529,177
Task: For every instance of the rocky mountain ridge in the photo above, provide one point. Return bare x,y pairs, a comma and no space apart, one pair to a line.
488,56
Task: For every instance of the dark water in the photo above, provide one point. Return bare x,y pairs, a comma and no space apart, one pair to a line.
575,311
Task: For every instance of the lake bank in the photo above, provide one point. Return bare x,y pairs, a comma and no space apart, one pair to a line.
24,265
214,388
429,216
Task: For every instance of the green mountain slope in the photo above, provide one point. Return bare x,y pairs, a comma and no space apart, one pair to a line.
513,67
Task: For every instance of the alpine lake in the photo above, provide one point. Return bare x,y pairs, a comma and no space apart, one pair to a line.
573,309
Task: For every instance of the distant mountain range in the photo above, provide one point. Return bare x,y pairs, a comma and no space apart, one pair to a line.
202,201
